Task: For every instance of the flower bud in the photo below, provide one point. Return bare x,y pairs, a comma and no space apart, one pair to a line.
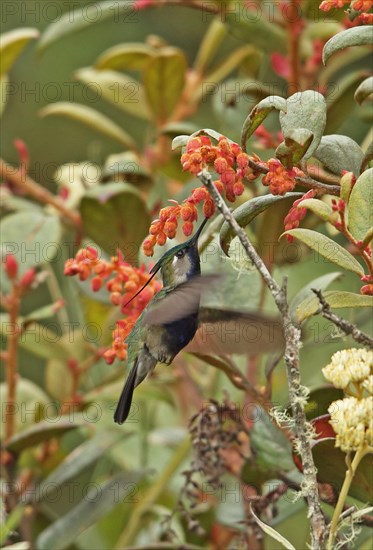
11,266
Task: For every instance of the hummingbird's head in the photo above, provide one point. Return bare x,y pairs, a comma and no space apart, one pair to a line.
182,262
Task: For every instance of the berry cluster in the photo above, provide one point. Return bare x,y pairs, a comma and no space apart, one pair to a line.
279,179
10,265
363,6
232,166
124,282
296,214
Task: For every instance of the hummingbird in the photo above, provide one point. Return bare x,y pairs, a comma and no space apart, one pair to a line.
173,317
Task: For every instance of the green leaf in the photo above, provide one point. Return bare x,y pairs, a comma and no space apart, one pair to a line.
11,45
320,283
81,458
42,431
330,462
130,56
58,379
357,36
368,156
318,207
30,401
327,248
44,342
304,110
258,114
210,43
10,524
360,206
229,64
319,400
32,237
272,532
164,79
4,81
295,146
271,447
123,91
245,213
97,504
126,167
83,17
346,182
263,34
335,298
91,118
364,90
175,129
340,100
337,153
180,141
115,216
44,312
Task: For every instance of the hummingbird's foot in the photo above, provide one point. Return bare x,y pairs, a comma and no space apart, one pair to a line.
164,359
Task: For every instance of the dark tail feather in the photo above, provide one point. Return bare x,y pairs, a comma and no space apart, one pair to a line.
125,400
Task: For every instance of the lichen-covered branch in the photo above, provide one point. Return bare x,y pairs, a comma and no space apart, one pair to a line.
296,391
347,327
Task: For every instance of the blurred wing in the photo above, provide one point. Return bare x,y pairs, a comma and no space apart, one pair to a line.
224,332
180,302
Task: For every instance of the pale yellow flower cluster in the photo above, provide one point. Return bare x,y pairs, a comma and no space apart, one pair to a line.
350,366
352,417
352,421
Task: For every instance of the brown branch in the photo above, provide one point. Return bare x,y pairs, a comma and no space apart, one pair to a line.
293,46
11,359
347,327
24,183
296,394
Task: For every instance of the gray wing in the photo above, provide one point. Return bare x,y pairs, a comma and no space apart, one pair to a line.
181,301
224,332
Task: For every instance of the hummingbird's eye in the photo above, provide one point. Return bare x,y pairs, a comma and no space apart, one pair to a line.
180,253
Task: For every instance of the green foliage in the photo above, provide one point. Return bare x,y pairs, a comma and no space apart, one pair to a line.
116,162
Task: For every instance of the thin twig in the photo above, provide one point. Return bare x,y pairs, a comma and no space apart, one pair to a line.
345,326
296,393
19,179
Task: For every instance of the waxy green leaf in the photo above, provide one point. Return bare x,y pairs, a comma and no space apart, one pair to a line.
127,57
360,206
80,459
327,248
357,36
340,100
335,298
364,90
31,236
164,79
12,44
123,91
91,118
368,156
304,110
320,283
295,146
42,431
115,216
258,114
106,496
211,41
245,213
263,34
84,16
338,153
318,207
